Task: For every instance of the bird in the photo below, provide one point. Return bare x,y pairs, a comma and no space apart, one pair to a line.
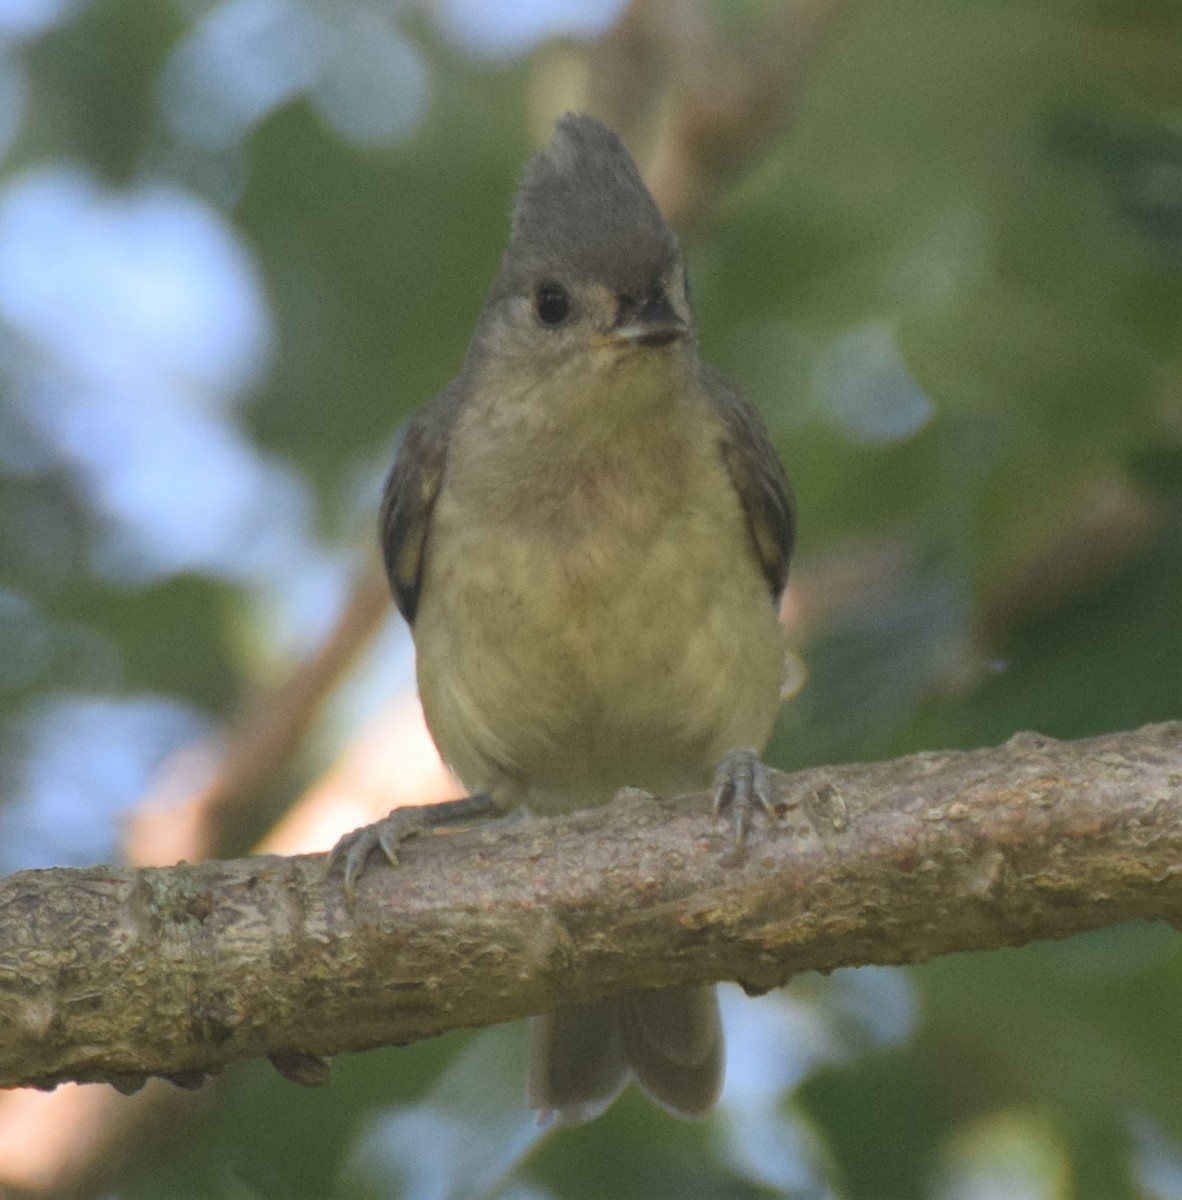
588,531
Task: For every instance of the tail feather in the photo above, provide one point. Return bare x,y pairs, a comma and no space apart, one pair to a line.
576,1062
673,1042
669,1041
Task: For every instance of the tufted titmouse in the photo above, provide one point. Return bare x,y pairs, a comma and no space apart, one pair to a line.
589,530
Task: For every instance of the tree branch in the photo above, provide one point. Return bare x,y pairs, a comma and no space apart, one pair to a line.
117,974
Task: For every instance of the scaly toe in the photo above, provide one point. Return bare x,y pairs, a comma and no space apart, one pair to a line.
355,849
741,782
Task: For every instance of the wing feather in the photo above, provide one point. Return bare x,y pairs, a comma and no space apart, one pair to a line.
409,498
759,478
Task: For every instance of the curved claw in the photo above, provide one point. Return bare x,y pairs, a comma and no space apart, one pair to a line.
386,835
742,781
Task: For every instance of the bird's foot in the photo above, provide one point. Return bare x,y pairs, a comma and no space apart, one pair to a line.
388,834
742,783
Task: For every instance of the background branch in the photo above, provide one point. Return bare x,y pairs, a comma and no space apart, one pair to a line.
117,974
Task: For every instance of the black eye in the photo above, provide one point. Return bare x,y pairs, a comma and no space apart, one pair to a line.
552,304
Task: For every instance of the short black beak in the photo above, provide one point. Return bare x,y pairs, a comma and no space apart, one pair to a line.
649,322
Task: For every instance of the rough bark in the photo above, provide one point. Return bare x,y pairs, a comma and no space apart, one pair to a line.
117,974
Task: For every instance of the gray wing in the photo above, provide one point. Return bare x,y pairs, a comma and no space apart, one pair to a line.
759,478
409,498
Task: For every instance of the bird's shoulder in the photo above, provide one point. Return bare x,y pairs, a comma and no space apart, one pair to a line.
411,491
757,474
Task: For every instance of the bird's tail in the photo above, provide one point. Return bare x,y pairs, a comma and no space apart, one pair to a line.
669,1041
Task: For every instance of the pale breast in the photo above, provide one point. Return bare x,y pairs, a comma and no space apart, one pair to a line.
602,625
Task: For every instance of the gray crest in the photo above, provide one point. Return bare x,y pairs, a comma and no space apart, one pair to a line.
582,213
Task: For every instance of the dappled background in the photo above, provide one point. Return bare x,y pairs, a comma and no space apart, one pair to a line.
940,244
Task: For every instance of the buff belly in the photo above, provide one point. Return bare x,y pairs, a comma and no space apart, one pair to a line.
633,645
